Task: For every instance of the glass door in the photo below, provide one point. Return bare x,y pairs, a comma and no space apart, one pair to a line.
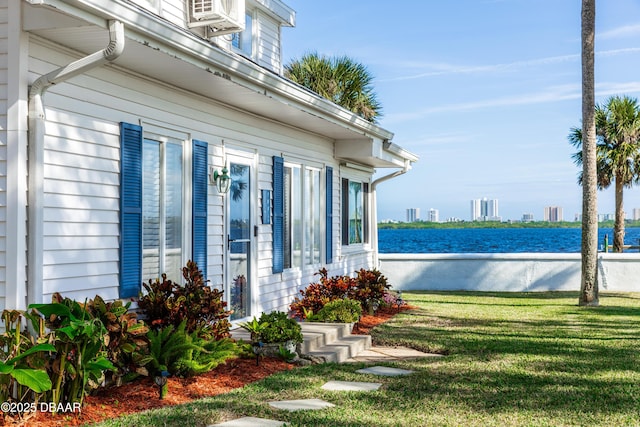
239,240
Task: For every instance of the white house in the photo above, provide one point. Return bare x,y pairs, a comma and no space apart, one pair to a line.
116,116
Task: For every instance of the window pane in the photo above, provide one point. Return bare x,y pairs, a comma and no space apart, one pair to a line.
150,210
247,34
355,212
162,186
296,214
173,211
286,238
312,216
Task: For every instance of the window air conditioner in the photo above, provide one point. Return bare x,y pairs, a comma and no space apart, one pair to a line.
224,16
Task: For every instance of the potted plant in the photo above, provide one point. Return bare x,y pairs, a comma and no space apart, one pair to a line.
272,331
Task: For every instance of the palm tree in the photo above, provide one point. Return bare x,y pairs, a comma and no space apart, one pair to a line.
589,250
617,152
340,79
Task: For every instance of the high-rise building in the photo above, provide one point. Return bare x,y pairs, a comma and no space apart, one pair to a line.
553,213
485,210
527,217
413,214
434,215
636,214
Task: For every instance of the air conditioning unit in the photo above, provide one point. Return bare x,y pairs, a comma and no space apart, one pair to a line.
224,16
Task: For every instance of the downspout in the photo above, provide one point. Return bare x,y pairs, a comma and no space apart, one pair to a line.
374,185
35,230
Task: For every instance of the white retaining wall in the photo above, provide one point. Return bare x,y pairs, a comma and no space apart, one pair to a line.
523,272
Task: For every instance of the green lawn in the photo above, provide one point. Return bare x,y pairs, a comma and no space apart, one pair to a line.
511,359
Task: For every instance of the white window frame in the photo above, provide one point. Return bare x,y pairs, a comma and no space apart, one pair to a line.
246,38
164,136
290,261
367,214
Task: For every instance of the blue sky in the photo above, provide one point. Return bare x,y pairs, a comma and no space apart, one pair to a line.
484,91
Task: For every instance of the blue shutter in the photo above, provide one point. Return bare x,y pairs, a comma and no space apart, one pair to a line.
329,215
278,214
130,209
199,205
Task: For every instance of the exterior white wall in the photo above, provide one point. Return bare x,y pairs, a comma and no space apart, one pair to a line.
266,31
526,272
81,187
268,44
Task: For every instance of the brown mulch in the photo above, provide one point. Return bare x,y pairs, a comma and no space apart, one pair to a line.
142,394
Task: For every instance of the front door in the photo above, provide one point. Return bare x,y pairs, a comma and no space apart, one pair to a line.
239,238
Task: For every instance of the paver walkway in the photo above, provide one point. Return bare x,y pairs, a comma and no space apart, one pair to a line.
374,354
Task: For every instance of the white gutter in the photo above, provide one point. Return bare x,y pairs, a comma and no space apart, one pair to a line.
374,201
36,134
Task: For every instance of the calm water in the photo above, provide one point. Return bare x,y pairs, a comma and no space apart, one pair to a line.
490,240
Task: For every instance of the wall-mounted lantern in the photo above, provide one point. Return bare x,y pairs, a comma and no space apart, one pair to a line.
221,180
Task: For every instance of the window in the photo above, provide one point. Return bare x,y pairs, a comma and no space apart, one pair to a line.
355,220
312,243
162,210
154,207
243,41
297,240
302,214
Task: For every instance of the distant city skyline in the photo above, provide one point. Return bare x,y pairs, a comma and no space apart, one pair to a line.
547,213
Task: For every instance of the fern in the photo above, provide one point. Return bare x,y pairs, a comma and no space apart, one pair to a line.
183,354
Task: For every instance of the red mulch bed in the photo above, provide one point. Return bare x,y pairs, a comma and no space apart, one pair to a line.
142,394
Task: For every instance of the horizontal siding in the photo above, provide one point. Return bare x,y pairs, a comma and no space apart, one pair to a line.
81,233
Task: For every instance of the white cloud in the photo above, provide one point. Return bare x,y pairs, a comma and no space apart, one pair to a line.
620,32
439,69
551,94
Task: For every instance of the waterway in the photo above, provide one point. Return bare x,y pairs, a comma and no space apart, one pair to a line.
489,240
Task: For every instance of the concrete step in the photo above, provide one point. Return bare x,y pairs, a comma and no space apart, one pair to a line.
342,349
331,342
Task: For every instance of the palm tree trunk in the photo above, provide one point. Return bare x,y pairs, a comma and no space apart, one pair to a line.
589,279
618,228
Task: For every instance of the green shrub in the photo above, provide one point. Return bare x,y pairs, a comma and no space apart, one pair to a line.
278,327
368,287
316,295
200,307
342,311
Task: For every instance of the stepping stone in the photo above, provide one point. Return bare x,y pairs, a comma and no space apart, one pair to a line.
301,405
384,371
250,422
351,386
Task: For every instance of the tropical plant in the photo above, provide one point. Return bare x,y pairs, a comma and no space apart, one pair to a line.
21,361
127,341
178,352
617,152
339,79
254,327
340,310
80,341
316,295
371,286
198,305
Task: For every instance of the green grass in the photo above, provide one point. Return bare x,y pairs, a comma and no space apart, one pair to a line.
511,359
